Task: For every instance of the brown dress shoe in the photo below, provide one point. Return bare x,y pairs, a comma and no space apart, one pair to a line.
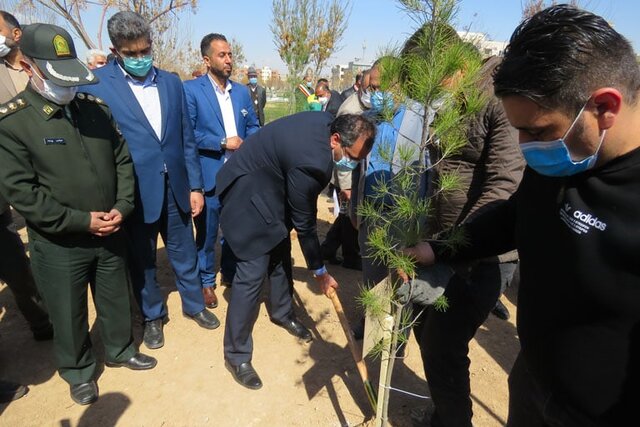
210,298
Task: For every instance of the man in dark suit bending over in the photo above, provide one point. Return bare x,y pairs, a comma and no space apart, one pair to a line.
267,188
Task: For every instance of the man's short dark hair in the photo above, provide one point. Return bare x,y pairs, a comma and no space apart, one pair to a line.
323,81
560,55
11,20
351,126
127,26
205,44
358,78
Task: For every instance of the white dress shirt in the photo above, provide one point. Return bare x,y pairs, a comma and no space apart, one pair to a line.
228,117
146,93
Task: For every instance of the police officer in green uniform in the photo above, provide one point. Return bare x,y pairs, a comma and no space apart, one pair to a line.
67,170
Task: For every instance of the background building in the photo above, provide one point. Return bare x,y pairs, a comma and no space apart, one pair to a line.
343,76
485,46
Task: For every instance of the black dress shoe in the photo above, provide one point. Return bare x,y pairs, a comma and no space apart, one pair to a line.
11,391
138,362
244,374
85,393
205,319
501,311
295,328
153,336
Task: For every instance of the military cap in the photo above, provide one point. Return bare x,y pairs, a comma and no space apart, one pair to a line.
52,49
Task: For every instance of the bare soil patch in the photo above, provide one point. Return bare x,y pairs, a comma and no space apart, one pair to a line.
315,384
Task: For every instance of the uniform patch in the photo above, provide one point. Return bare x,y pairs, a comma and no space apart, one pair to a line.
61,46
54,141
48,109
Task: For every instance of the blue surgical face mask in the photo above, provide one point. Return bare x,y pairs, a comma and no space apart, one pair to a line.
253,80
552,158
380,101
345,164
138,67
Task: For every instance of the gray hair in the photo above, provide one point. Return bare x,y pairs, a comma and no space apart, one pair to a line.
127,26
91,53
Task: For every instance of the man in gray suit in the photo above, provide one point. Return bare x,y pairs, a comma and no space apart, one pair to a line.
14,265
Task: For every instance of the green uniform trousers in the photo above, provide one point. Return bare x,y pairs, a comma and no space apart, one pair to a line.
62,271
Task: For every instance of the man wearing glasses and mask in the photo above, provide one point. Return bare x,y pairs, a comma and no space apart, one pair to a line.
150,108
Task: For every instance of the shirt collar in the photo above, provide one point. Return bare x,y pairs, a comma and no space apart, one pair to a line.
227,88
150,80
11,66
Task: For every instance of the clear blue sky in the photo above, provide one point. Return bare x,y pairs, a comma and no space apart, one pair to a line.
376,23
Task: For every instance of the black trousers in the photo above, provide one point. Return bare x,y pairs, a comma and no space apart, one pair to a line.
342,234
245,293
15,271
444,339
533,405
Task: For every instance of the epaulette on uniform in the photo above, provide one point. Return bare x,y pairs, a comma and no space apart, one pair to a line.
8,108
88,97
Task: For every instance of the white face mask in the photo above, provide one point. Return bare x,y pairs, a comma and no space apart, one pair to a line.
365,98
323,100
4,49
59,94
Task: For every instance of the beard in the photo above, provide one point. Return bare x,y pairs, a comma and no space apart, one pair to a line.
10,43
221,72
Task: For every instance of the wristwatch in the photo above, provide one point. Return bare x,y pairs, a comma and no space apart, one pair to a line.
197,190
223,144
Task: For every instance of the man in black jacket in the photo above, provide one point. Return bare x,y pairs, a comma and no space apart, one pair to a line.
569,83
266,188
329,99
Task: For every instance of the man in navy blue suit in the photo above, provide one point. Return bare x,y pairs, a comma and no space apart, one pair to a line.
150,109
266,189
222,115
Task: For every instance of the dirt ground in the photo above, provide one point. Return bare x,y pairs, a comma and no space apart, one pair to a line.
315,384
